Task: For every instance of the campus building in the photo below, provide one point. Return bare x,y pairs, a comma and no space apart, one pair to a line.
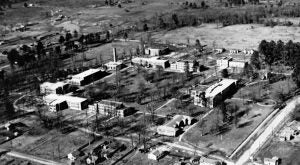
181,66
220,91
151,62
156,50
231,64
86,77
113,108
53,88
174,127
61,102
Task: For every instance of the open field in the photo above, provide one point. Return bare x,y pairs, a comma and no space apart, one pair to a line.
232,37
248,118
287,152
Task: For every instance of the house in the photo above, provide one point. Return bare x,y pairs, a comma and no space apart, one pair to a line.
231,64
248,51
290,131
198,93
53,88
182,65
220,91
60,102
224,62
86,77
220,50
151,62
173,127
156,50
234,51
114,108
158,153
272,161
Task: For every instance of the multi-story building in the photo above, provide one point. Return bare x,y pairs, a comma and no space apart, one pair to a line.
61,102
151,62
156,50
86,77
220,91
53,88
181,66
230,63
113,108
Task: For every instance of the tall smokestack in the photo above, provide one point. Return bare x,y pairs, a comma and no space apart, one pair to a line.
115,54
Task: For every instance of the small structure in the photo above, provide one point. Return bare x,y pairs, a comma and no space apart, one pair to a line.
60,102
151,62
74,155
158,153
174,127
53,88
234,51
86,77
220,50
248,51
289,132
114,108
269,161
220,91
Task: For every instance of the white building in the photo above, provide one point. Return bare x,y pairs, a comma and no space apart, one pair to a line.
108,107
85,77
273,161
224,62
114,65
53,88
151,62
248,51
234,51
157,153
230,63
220,91
181,66
156,50
173,127
57,102
220,50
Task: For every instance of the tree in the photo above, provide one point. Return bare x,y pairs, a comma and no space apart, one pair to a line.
107,35
162,23
61,39
254,60
296,73
40,49
75,33
175,19
203,5
68,36
13,56
145,27
224,73
125,35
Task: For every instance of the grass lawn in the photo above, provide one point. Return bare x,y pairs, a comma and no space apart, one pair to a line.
288,153
248,118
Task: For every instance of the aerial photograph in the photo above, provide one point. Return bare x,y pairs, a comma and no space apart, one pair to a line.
149,82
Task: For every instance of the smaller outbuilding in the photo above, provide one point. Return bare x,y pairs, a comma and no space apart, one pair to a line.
174,127
271,161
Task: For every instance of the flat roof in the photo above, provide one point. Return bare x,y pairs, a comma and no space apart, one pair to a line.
86,73
110,102
175,120
65,97
152,59
219,87
114,63
53,85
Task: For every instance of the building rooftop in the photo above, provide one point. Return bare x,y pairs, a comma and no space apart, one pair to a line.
53,86
114,63
176,119
85,73
111,103
217,88
55,97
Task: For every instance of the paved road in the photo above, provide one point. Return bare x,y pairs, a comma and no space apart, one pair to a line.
264,136
33,158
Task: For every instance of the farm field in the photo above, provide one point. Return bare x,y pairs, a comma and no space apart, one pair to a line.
230,37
